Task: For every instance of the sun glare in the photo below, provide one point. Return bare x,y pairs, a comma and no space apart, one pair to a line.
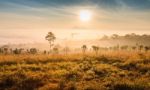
85,15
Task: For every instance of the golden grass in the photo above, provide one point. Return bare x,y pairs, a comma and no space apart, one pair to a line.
115,70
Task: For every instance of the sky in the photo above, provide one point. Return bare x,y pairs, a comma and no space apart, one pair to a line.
30,20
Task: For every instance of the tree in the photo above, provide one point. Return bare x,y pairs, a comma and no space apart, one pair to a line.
115,36
84,48
66,50
141,47
55,50
33,50
133,47
45,51
51,38
95,48
1,50
5,50
17,51
147,48
124,47
105,37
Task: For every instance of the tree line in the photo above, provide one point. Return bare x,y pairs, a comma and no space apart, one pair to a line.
54,49
126,36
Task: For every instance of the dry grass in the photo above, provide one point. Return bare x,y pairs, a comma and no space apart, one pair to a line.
112,70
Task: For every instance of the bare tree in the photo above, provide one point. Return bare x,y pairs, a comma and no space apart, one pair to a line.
51,38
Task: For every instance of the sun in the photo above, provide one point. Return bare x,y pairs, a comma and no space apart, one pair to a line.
85,15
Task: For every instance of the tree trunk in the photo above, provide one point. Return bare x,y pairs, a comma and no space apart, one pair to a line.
50,47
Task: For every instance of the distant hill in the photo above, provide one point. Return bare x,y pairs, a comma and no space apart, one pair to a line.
128,39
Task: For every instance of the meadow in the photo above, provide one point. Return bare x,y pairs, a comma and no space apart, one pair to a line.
107,70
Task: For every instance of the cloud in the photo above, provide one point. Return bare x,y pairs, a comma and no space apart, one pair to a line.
137,4
64,13
66,8
106,4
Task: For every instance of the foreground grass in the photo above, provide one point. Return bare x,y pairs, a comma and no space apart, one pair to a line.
106,71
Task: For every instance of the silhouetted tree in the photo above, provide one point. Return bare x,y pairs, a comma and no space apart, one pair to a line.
51,38
147,48
11,51
33,50
141,47
95,48
125,47
5,50
116,47
133,47
1,50
55,50
45,51
84,48
28,51
66,50
16,51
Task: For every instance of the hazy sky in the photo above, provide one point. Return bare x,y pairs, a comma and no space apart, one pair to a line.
23,20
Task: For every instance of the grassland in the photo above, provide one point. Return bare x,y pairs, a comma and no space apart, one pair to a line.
115,70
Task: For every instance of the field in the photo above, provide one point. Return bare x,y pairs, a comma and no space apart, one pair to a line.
111,70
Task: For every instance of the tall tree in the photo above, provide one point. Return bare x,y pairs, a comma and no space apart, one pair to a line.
51,38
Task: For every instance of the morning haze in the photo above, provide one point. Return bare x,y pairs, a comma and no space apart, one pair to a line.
74,44
33,17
